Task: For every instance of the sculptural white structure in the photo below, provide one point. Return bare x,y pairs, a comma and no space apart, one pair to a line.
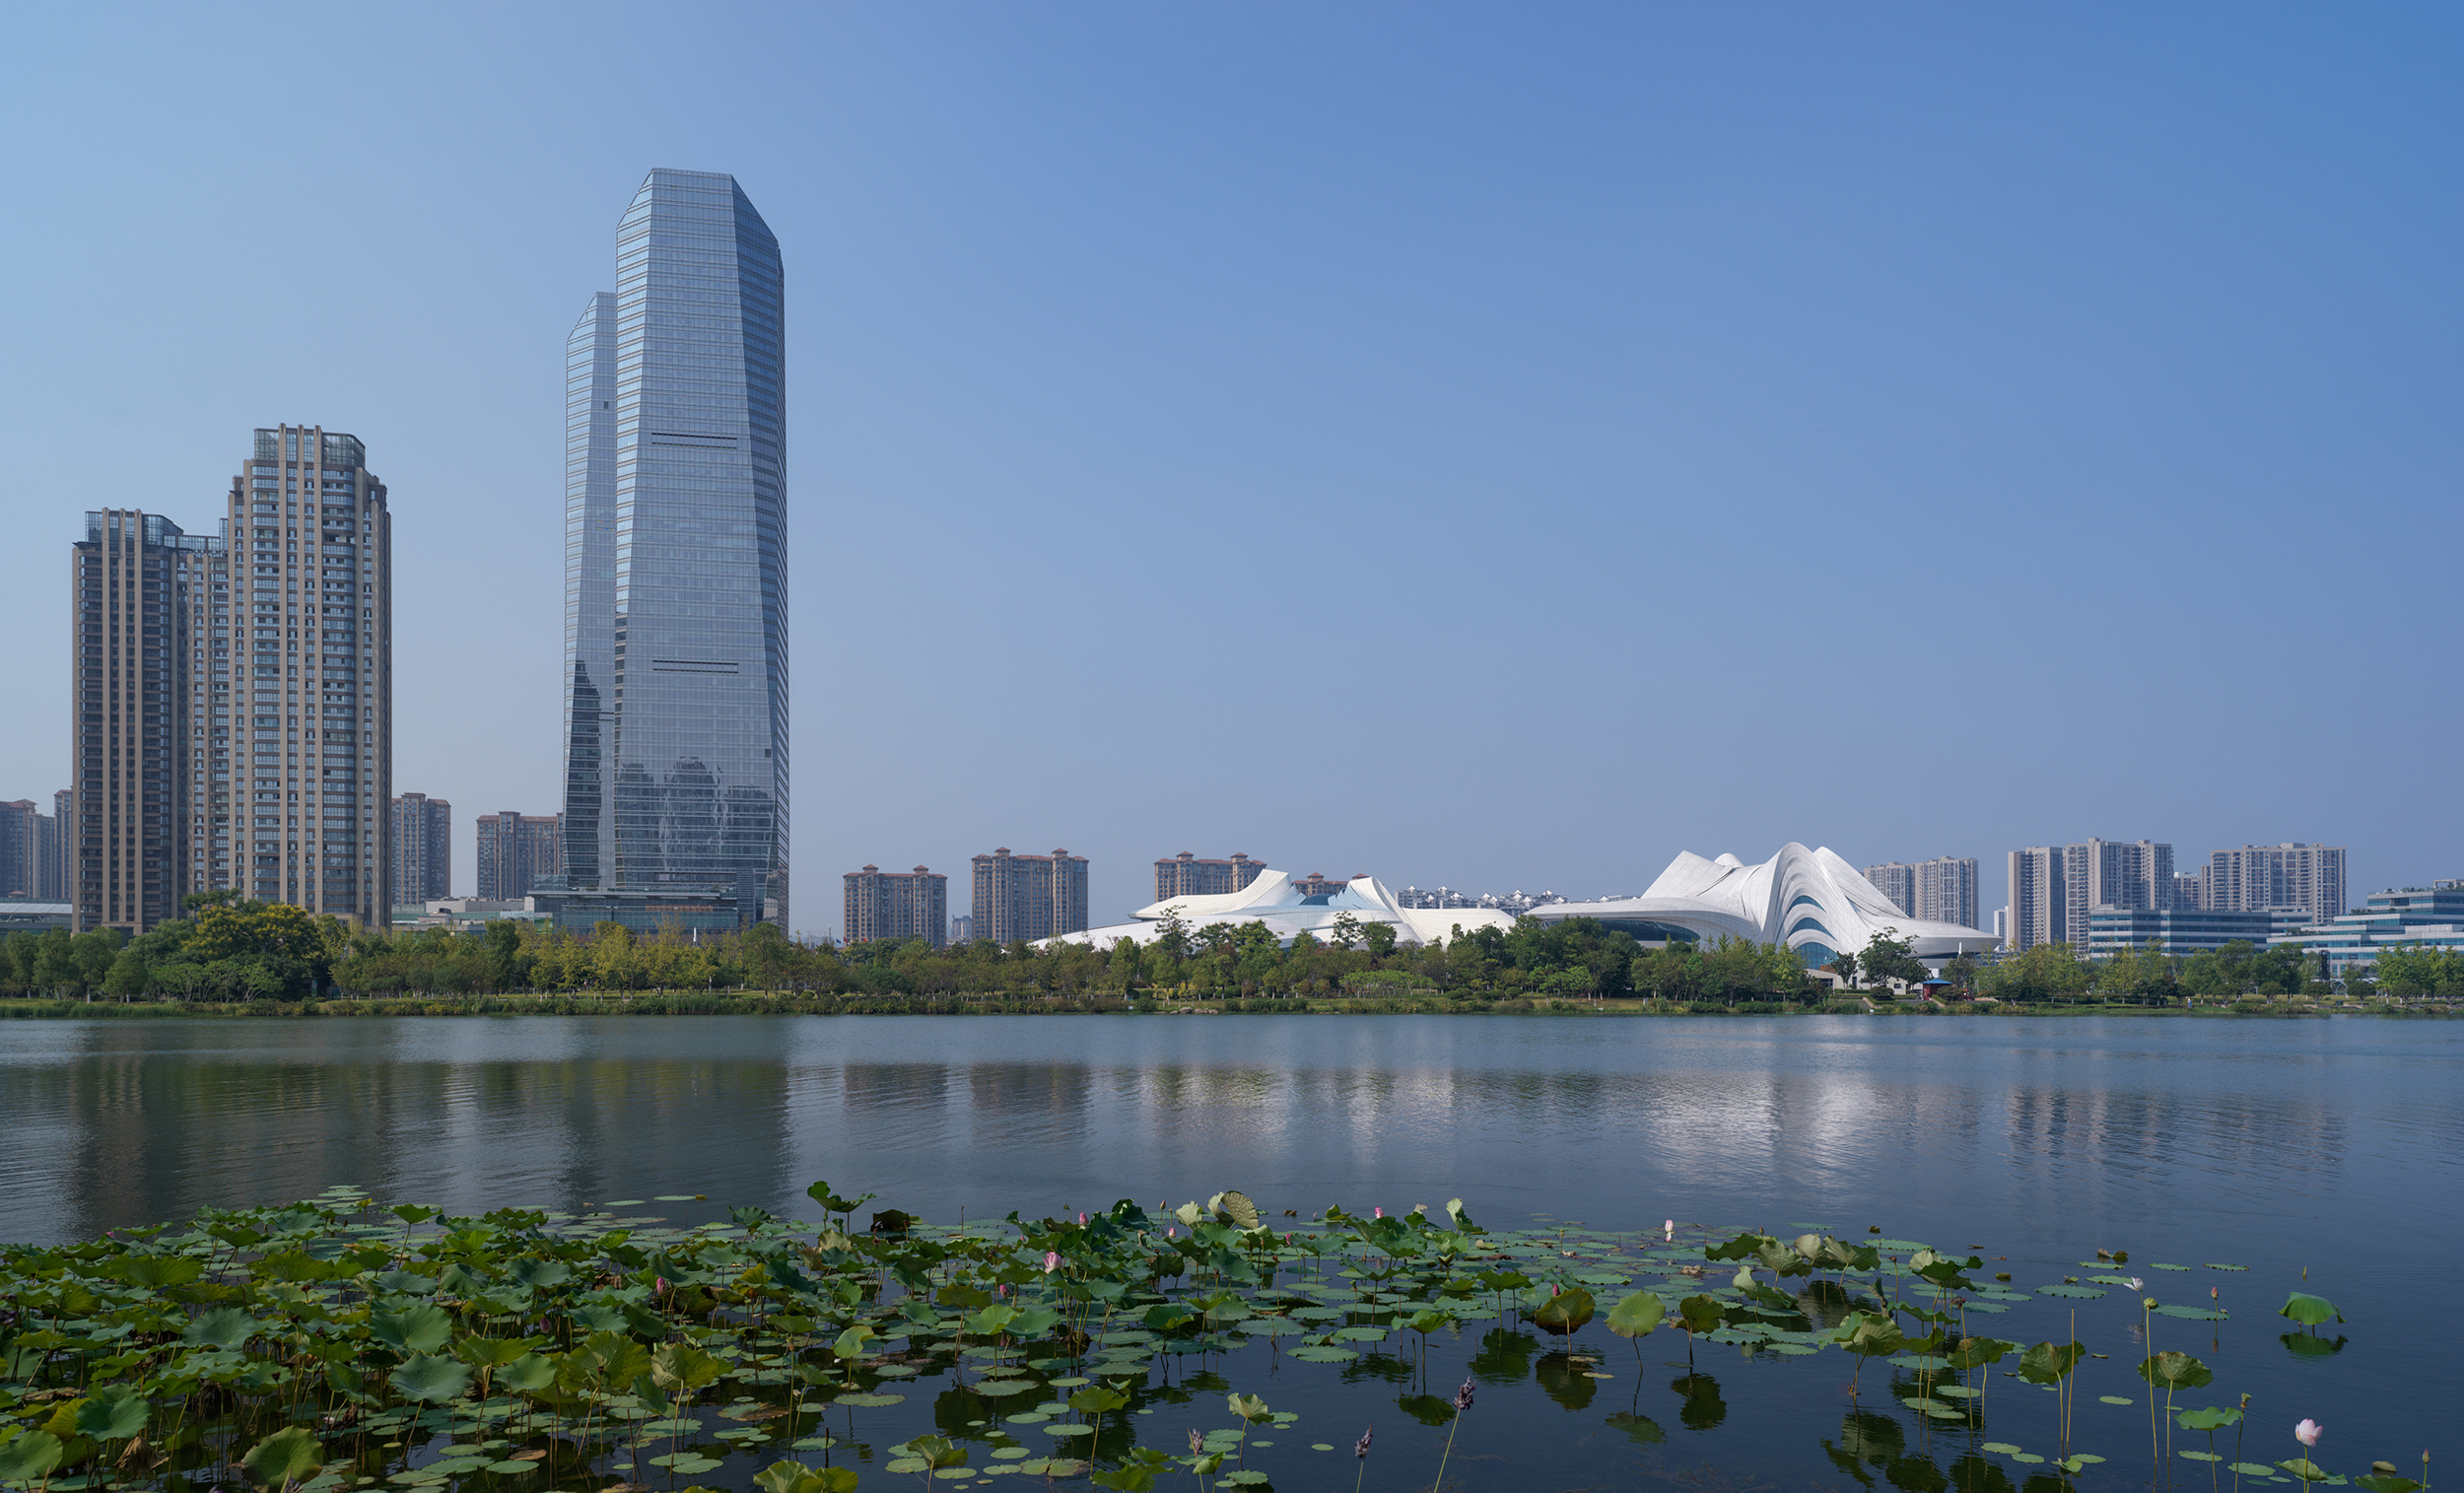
1286,908
1812,901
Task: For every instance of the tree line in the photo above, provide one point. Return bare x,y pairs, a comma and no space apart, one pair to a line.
231,949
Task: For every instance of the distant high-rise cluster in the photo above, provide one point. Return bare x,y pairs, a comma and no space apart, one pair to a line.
896,905
422,849
518,850
1029,897
2057,891
1185,875
1941,890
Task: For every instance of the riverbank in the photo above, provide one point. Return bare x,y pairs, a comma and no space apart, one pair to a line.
786,1003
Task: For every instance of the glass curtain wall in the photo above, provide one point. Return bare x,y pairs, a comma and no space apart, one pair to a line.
676,666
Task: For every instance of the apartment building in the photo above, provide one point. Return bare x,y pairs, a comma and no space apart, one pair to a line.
1029,897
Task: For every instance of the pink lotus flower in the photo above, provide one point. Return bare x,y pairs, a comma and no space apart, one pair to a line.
1668,1232
1171,1233
662,1284
1083,1218
1377,1213
1052,1260
2308,1432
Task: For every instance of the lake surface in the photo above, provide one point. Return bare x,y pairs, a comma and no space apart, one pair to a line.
2335,1145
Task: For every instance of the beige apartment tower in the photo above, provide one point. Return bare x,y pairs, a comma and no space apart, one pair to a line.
896,905
1029,897
1185,875
311,659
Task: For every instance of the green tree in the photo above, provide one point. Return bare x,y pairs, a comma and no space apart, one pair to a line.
129,977
92,955
1887,956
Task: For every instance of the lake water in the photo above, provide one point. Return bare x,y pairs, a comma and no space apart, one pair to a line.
2334,1145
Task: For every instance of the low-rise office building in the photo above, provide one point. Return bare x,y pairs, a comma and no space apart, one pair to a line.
2180,931
696,912
2431,916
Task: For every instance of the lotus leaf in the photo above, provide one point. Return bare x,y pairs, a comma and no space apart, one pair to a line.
423,1328
2176,1371
285,1458
226,1328
2308,1309
428,1378
1636,1315
30,1456
113,1412
1566,1312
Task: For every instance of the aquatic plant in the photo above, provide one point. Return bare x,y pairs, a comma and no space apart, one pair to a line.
336,1342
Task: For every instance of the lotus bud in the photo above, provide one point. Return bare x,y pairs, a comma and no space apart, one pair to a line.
1052,1260
1083,1218
2308,1432
1377,1213
1668,1231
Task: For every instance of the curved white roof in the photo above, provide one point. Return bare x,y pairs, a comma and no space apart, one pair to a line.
1285,910
1797,897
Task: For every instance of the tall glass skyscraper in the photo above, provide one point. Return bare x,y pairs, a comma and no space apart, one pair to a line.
675,557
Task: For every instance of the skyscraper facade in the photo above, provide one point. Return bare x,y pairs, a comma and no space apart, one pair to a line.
422,849
144,598
516,850
675,556
313,632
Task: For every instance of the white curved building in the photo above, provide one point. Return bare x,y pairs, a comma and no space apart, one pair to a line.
1287,908
1812,901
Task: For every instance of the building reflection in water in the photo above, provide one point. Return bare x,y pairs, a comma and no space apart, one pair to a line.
1964,1125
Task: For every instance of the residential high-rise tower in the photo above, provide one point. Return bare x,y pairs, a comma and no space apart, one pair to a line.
422,849
232,696
142,595
883,903
675,556
1028,897
314,638
516,849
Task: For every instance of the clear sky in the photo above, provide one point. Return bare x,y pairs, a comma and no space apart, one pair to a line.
1495,445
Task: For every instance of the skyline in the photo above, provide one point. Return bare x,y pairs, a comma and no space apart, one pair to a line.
1188,404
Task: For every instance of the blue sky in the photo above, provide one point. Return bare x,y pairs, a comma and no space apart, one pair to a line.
1492,445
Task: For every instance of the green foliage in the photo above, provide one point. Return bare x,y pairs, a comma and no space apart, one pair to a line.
2308,1309
287,1456
1636,1315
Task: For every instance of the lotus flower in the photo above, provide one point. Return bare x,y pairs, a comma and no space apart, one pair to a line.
1081,1217
1377,1213
1052,1260
1667,1232
2308,1432
2135,1283
1171,1233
